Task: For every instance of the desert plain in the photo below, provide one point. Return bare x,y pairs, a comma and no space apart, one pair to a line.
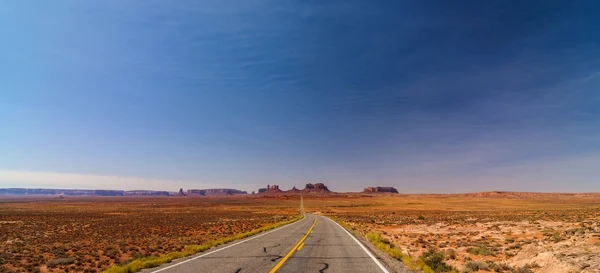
479,232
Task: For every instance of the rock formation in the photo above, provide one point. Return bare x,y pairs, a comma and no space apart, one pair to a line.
270,189
146,193
294,190
317,187
210,192
380,190
64,192
214,192
196,192
310,188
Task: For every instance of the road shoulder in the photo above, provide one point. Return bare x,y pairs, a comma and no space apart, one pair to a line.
390,263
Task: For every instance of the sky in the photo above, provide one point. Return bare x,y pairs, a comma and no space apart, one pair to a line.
424,96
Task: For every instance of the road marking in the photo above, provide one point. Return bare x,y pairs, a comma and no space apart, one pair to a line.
240,242
362,246
301,246
287,256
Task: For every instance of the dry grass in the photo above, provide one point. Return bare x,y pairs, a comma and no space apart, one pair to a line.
426,232
152,261
92,234
474,233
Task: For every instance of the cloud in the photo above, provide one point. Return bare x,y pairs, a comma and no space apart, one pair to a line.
30,179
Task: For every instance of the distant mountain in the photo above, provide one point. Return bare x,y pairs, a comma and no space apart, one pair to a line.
513,194
294,190
146,193
270,189
309,188
317,188
214,192
380,190
76,192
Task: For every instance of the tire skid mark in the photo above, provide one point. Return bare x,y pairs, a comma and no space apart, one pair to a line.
322,270
273,246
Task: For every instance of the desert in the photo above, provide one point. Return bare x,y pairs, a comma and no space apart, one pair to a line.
479,232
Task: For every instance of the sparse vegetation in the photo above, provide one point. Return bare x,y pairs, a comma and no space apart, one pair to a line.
60,261
152,261
474,266
481,250
384,245
479,232
523,269
90,234
434,259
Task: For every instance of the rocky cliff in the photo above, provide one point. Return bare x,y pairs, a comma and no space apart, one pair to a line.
270,189
380,190
146,193
309,188
70,192
317,187
293,190
214,192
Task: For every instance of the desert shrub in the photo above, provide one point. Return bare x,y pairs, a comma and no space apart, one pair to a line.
556,238
387,247
509,240
523,269
482,250
384,245
499,267
451,254
474,266
60,261
154,261
435,260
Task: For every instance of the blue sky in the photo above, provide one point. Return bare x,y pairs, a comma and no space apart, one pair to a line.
425,96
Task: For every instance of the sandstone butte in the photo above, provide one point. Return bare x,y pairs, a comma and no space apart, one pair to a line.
320,188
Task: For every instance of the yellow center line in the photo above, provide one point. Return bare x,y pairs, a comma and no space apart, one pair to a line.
287,256
301,245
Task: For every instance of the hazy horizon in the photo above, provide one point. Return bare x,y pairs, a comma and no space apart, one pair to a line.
425,97
194,185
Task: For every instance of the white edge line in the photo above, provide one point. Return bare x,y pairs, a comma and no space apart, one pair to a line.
363,247
214,251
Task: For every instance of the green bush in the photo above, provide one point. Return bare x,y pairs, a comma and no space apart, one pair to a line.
474,266
384,245
481,250
435,260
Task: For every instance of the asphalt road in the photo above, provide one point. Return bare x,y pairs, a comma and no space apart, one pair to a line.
313,244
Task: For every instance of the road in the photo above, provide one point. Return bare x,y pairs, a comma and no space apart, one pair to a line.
313,244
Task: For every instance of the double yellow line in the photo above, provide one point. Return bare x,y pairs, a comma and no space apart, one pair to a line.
298,246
